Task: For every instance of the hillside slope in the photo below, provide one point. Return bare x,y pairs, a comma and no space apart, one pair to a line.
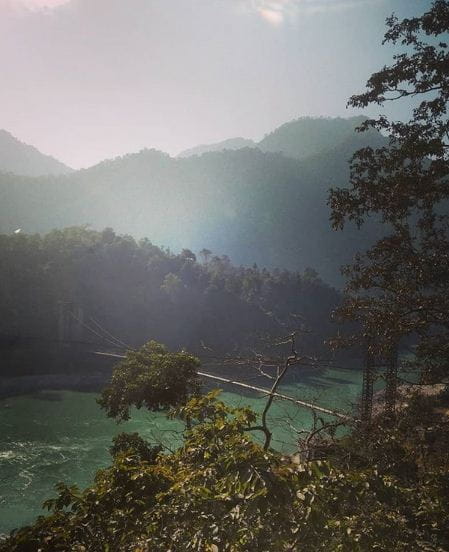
230,144
22,159
308,136
299,139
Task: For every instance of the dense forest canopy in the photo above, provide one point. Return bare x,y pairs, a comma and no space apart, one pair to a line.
140,292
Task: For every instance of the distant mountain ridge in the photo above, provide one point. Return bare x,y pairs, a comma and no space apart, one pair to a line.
22,159
308,136
230,144
299,139
255,206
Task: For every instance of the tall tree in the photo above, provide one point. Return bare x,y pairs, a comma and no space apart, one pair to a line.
401,285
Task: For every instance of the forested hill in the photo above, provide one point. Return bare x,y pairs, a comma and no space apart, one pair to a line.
230,144
306,137
138,292
19,158
257,207
300,138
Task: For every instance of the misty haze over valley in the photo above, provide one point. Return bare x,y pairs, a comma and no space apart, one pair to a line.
264,203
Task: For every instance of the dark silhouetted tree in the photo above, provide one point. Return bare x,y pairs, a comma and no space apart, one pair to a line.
401,285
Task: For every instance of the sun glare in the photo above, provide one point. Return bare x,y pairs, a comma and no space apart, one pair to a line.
39,4
272,16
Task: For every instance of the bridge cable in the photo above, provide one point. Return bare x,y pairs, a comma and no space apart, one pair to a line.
100,327
298,402
93,331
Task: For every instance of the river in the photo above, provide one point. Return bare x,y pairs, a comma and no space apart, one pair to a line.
54,436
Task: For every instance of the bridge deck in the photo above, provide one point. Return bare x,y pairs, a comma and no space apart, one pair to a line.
304,404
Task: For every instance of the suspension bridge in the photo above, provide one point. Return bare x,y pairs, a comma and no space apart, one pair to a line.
73,325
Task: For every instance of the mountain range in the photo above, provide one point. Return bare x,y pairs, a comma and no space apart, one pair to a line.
299,139
264,204
229,144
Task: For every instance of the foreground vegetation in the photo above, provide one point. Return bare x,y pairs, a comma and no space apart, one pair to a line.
221,491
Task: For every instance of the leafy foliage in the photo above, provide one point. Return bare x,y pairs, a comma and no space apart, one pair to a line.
150,377
133,444
222,491
401,285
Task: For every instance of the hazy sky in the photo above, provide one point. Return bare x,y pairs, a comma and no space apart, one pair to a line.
85,80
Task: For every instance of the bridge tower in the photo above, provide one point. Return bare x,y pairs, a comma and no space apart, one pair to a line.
388,361
366,407
391,380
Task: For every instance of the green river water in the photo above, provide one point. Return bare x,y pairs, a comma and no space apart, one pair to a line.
64,436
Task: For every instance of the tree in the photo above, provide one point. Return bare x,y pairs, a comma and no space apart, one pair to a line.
152,378
205,254
188,255
401,285
172,286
